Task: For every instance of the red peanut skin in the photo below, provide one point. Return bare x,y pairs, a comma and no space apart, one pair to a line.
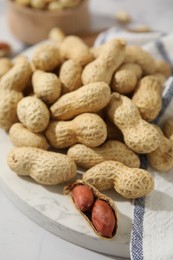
103,218
83,197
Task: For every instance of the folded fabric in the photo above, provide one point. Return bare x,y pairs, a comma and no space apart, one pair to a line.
132,38
152,221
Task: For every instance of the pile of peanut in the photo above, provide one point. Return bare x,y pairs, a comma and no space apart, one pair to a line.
52,5
96,104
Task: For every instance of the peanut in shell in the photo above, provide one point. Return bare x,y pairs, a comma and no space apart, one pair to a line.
98,196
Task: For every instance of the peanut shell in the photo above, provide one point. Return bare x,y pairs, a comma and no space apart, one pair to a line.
48,168
129,182
67,191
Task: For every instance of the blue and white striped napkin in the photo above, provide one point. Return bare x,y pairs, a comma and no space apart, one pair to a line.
152,223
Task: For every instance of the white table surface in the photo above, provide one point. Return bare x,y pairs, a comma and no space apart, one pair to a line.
21,238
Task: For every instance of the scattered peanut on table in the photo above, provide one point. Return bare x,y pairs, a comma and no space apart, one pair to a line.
97,106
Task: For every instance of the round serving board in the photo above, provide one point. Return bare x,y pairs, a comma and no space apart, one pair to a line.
48,207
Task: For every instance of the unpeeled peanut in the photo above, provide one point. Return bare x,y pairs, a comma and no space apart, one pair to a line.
161,159
129,182
46,57
5,65
18,77
70,76
111,150
37,4
105,65
102,213
44,167
56,34
33,113
123,17
89,98
86,128
75,49
168,129
46,86
148,97
135,54
23,2
163,68
55,6
83,197
126,77
139,135
69,3
103,218
20,136
8,107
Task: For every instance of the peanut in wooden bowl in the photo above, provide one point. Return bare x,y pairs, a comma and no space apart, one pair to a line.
32,26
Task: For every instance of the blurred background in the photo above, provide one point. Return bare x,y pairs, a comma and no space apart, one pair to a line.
152,14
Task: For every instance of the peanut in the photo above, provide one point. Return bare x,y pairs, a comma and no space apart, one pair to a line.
168,129
103,218
163,68
86,128
18,77
69,3
83,197
37,4
21,136
102,208
56,34
33,113
54,6
46,86
111,150
160,77
105,65
8,107
75,49
5,66
140,28
135,54
46,57
70,76
126,77
129,182
162,158
123,17
148,97
96,51
23,2
139,135
44,167
89,98
49,4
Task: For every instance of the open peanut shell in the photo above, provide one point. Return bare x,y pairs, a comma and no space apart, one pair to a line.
97,195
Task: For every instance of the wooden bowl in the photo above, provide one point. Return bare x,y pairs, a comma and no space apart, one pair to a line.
32,26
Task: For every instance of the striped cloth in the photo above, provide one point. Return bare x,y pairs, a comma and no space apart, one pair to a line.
152,221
